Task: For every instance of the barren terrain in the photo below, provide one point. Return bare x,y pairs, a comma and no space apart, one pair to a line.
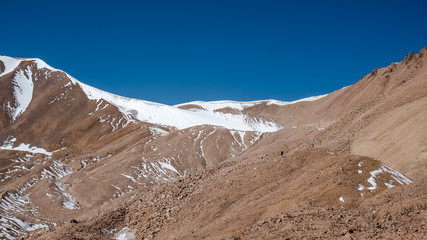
82,164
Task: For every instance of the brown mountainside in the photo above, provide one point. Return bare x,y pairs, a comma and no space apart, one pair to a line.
353,165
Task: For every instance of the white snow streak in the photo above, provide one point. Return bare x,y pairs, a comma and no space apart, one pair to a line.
69,201
160,170
158,131
13,203
22,91
395,175
201,146
8,145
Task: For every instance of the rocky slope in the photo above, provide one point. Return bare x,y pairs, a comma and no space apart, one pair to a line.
353,166
67,147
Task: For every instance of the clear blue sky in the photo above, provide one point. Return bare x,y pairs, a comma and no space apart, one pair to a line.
179,51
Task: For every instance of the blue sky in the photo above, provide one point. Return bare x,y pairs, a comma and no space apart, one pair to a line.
179,51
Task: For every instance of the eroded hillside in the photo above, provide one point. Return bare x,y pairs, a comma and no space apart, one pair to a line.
353,163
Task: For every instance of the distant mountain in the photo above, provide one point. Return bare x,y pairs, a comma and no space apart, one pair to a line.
123,166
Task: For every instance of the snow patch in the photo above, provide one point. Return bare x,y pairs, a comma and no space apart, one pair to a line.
215,105
255,137
395,175
158,131
8,145
371,180
56,171
160,170
201,146
22,91
130,177
281,103
167,165
125,234
16,227
91,160
17,203
241,140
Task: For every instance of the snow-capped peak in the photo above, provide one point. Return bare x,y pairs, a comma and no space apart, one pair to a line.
147,111
23,84
9,63
162,114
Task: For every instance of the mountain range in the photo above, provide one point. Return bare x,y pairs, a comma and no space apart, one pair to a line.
80,163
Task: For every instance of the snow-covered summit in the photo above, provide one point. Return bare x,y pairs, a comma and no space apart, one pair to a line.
162,114
215,105
9,64
146,111
22,83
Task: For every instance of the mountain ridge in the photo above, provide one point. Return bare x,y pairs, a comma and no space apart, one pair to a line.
117,174
122,102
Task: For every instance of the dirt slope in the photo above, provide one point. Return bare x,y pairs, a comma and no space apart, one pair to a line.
397,136
265,196
342,174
